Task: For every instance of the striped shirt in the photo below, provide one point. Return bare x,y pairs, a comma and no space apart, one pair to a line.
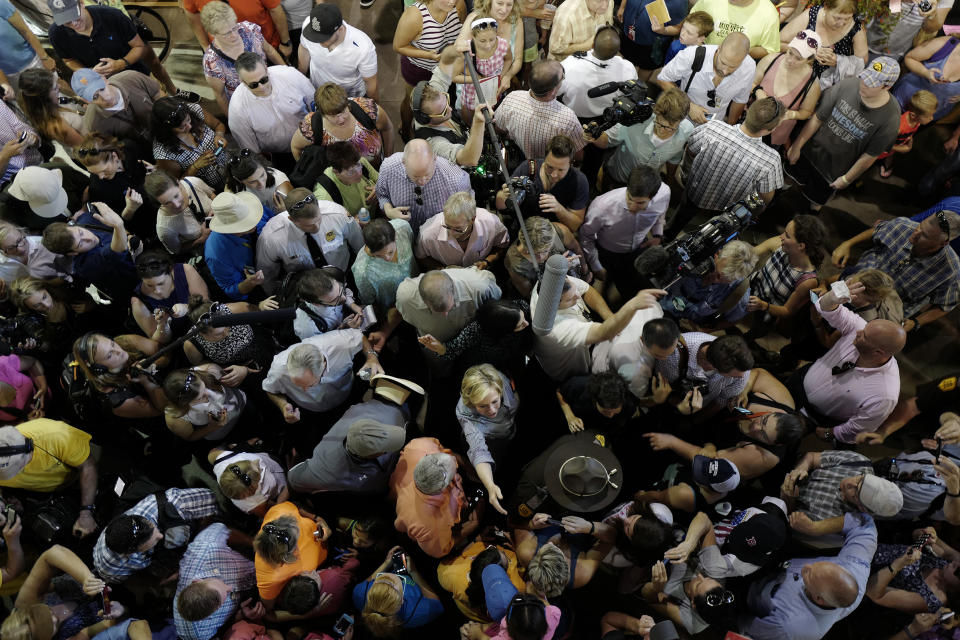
819,496
434,36
720,388
396,188
10,129
729,165
776,280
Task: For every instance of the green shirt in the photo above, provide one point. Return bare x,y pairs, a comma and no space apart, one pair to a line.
352,194
759,21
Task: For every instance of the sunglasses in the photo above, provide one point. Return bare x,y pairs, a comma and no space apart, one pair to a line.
418,192
241,475
811,41
712,98
188,383
93,151
300,205
243,153
176,116
718,599
483,23
262,81
942,223
281,535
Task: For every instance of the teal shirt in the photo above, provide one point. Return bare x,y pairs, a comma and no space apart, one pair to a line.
634,147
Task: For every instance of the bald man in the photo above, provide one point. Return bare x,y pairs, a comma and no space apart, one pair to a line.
441,303
854,386
724,79
415,184
598,66
802,601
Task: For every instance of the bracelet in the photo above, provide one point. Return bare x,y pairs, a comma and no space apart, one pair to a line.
126,63
89,507
892,570
953,495
906,630
285,44
767,307
373,353
593,526
844,178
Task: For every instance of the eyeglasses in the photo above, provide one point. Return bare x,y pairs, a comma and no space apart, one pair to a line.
942,223
19,243
300,205
93,151
443,112
336,301
660,124
418,192
458,230
718,599
262,81
176,116
243,153
803,35
712,98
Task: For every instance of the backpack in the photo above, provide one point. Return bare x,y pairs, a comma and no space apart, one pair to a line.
324,181
82,400
306,173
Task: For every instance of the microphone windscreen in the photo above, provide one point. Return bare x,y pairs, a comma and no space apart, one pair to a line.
548,294
651,261
603,89
254,317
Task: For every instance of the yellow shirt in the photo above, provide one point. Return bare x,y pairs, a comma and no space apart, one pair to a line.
58,449
454,576
573,23
759,21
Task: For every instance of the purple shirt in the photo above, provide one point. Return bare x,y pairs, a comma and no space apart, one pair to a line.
615,228
861,397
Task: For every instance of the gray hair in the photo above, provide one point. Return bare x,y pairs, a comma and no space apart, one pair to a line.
434,472
549,571
460,205
305,357
740,260
217,17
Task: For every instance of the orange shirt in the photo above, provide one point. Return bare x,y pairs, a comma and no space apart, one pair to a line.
310,553
255,11
454,576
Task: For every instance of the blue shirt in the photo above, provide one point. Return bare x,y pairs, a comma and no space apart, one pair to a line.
636,21
121,631
950,203
780,602
688,298
17,52
227,255
675,47
114,273
416,610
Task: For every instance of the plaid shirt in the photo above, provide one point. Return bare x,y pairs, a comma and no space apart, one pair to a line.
720,388
920,281
776,279
191,504
208,556
729,165
394,187
819,496
531,123
10,129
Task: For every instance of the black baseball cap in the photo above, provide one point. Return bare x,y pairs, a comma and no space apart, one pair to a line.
325,19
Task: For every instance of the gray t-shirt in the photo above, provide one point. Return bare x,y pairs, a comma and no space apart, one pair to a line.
892,35
849,129
680,574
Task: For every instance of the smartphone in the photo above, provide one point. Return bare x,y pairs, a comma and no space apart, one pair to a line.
939,450
23,136
946,616
400,560
556,523
10,513
743,410
249,270
813,296
342,625
217,152
922,540
105,600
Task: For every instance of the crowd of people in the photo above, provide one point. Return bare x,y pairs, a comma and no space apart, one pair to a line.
277,365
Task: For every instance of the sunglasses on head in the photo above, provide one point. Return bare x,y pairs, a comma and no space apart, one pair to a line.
262,81
93,151
943,223
241,475
188,382
300,205
810,40
243,153
418,192
280,534
718,599
176,116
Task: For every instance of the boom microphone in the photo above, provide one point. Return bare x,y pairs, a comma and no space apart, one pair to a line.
548,294
603,89
253,317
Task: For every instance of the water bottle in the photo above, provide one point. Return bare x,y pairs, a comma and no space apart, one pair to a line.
363,216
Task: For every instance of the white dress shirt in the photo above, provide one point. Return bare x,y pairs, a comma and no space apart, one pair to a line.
338,347
734,88
587,72
268,123
282,247
347,65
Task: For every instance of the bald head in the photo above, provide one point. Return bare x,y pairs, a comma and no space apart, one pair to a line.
606,44
886,336
437,291
419,161
830,585
545,79
736,44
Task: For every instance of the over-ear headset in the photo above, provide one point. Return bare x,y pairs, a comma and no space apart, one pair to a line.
416,99
83,349
17,449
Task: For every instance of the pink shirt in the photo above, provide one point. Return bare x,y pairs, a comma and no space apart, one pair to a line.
11,374
553,619
436,242
861,397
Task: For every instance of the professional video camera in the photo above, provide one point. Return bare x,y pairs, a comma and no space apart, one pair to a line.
628,109
692,255
522,185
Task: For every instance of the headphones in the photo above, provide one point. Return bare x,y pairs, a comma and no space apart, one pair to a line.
17,449
416,98
83,348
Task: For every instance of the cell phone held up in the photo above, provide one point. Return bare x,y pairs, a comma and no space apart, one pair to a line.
342,625
922,540
400,565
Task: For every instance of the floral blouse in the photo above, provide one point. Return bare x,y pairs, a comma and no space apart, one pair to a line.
223,68
367,141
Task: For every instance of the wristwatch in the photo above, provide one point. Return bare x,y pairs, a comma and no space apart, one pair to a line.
92,508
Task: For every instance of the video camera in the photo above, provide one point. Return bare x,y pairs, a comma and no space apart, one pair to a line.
692,255
630,108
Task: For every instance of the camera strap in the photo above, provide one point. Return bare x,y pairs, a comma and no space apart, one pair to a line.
698,57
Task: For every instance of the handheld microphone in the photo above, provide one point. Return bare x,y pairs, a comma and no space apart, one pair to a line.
548,295
603,89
